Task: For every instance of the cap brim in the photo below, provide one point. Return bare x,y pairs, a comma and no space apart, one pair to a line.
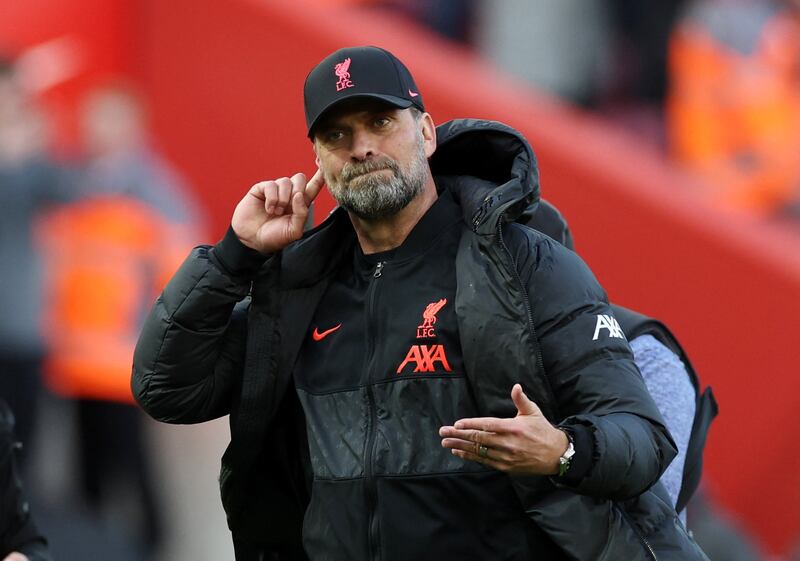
398,102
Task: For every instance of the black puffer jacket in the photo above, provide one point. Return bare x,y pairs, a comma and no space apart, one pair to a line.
201,356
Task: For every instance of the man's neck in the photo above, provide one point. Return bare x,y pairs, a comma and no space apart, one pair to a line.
375,236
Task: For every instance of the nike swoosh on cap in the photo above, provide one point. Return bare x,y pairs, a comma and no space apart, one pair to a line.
317,336
412,94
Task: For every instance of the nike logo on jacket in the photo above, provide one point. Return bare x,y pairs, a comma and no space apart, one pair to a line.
317,336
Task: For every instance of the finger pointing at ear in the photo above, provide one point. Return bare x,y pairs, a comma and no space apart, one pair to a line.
314,186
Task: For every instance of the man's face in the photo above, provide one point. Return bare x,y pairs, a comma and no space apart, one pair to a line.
374,156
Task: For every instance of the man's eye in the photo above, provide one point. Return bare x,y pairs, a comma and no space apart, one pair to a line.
333,136
382,122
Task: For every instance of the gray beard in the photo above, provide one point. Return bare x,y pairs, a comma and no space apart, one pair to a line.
372,197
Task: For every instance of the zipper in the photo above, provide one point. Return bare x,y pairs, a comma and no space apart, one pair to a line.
482,211
372,498
636,531
527,302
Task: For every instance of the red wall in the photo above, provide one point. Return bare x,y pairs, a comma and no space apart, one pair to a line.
92,38
225,80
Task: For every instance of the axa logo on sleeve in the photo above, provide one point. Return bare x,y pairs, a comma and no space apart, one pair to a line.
610,323
425,357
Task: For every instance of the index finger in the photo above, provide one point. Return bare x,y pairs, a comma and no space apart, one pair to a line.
485,424
314,186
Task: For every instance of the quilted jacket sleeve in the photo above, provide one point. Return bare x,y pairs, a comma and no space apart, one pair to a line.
590,367
189,357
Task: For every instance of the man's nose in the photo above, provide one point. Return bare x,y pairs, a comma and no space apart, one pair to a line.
363,146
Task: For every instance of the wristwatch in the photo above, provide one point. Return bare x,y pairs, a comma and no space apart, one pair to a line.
566,458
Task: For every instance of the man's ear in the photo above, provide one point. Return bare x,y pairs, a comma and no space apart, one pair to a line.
316,153
428,130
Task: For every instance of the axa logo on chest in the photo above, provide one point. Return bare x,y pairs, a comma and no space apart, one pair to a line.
425,357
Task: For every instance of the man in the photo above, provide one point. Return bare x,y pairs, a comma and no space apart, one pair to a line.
418,302
29,184
106,255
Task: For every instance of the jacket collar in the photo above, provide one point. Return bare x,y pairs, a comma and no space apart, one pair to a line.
439,217
491,170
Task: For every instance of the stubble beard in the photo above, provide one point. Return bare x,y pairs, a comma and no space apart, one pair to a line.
374,196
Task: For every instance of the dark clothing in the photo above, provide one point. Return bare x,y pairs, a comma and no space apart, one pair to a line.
374,391
26,189
111,450
20,383
17,529
525,311
548,220
635,324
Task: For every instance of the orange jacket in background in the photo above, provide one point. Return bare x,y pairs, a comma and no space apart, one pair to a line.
733,112
106,260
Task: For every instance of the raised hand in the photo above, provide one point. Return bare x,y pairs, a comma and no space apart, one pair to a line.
526,444
272,213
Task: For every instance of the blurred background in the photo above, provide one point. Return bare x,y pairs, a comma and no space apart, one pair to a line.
667,132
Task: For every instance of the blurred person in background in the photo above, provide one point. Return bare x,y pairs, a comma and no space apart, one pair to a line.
108,254
633,85
609,56
734,103
450,18
20,539
561,46
29,183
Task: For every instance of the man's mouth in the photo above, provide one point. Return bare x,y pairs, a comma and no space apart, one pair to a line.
365,173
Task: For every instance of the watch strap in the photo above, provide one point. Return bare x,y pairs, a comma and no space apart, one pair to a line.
565,460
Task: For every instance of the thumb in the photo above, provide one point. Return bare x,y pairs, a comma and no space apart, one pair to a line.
524,405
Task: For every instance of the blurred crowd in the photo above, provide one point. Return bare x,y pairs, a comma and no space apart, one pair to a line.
86,244
713,84
88,241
